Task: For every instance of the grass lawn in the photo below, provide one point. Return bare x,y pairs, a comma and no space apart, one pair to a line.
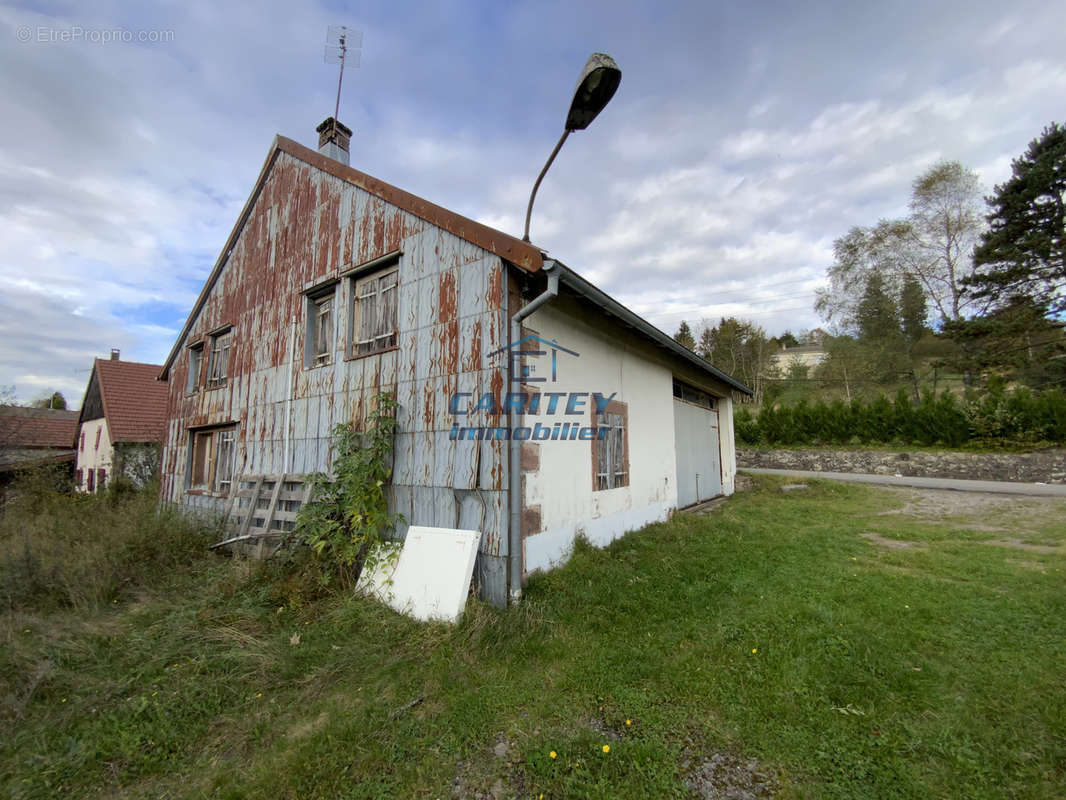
769,642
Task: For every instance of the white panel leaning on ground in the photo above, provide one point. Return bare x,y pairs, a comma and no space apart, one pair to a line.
428,577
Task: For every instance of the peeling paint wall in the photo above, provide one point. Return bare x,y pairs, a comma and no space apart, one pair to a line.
305,228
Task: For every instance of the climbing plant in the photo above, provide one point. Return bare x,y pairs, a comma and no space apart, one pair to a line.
347,512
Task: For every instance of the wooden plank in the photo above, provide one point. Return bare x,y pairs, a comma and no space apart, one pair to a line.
251,507
278,483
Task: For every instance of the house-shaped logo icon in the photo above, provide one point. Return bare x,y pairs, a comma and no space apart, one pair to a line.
527,373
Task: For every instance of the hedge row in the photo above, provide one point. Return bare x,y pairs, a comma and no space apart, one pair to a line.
1018,416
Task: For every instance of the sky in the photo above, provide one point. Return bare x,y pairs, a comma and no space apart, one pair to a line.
744,138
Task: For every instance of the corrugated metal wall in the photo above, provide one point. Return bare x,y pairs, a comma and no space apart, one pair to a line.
306,227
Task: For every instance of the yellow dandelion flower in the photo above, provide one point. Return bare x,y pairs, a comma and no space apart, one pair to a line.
63,700
755,649
553,754
606,748
629,722
27,630
154,694
258,694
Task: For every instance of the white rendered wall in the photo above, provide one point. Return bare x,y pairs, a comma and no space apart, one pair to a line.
91,456
562,485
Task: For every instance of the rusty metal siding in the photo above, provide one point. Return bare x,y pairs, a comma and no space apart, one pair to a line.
305,227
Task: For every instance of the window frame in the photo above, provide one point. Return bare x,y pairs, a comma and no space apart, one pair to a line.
687,393
616,419
315,298
203,475
356,282
220,342
193,381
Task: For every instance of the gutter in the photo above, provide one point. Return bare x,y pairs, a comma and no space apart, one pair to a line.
514,472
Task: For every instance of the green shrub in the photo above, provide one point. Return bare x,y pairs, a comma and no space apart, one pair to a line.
998,416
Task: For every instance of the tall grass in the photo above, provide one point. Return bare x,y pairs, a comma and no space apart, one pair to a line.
62,550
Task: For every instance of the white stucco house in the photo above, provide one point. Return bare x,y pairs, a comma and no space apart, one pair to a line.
120,425
533,407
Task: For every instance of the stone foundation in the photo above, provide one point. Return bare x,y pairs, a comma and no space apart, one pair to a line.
1043,466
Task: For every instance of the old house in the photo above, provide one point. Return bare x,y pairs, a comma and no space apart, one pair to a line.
33,437
532,406
121,423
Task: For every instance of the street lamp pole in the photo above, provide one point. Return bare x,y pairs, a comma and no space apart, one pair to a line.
597,85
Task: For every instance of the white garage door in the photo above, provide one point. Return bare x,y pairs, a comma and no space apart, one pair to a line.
699,456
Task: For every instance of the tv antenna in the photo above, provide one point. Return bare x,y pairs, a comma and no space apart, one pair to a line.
343,46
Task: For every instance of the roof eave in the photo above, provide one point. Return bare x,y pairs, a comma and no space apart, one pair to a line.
611,306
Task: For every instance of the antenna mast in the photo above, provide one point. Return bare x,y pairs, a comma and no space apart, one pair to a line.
338,41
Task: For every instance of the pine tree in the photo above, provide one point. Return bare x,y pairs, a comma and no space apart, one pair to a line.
1024,251
684,336
877,316
912,309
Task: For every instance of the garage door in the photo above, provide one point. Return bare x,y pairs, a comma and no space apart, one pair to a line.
699,457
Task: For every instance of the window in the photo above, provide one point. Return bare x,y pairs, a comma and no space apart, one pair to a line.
690,394
90,480
98,432
213,454
218,363
101,478
81,446
196,363
610,448
373,317
318,345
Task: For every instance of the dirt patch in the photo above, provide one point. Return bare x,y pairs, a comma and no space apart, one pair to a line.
725,776
892,544
1018,544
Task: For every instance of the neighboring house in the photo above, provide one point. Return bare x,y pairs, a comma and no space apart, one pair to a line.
121,423
807,355
31,437
334,287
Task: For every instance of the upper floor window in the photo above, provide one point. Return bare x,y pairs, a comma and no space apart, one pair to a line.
81,445
98,432
196,363
321,325
218,360
373,313
610,448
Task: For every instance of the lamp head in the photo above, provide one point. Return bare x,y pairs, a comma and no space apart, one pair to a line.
597,85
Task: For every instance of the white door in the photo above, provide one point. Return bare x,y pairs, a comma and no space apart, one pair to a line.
699,455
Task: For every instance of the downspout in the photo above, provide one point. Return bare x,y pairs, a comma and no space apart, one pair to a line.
288,397
514,528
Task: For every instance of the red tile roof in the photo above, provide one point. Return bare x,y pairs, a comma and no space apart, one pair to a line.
37,427
135,403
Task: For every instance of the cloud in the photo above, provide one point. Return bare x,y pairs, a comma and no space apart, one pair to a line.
740,144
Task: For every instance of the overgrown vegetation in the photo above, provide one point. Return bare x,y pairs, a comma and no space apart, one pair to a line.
771,630
347,513
82,551
998,416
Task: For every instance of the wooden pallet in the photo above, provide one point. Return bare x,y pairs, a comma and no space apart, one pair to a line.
262,507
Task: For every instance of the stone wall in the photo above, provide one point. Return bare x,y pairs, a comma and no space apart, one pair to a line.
1043,466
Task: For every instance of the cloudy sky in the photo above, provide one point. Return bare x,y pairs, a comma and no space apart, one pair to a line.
744,138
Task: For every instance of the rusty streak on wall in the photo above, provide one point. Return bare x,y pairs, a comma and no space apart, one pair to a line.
307,227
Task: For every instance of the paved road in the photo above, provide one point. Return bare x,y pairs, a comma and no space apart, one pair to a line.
1000,487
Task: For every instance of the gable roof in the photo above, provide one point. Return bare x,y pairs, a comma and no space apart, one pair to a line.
134,401
37,427
519,253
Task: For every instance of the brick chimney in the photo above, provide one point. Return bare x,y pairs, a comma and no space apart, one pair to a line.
333,139
114,353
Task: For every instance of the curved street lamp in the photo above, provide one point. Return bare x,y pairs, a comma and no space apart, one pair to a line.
597,85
